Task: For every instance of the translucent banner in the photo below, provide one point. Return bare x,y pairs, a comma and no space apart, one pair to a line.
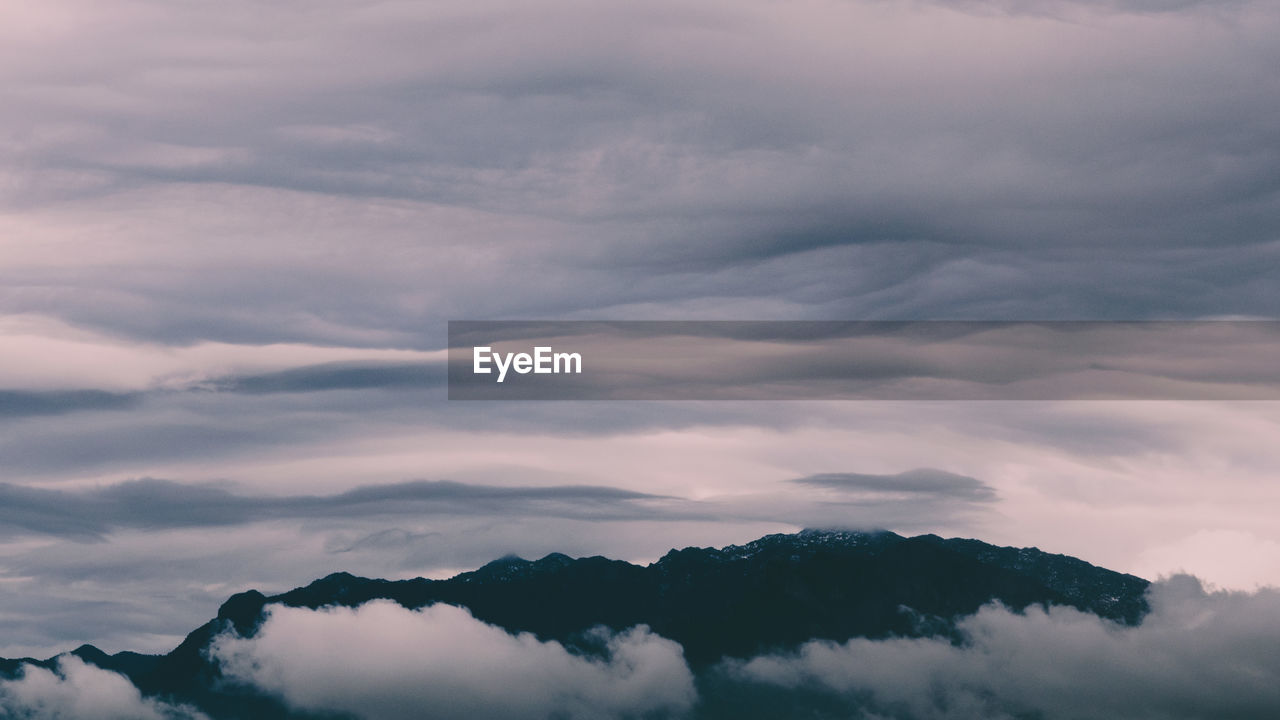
800,360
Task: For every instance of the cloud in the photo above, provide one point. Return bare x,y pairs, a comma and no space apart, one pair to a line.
640,158
1064,473
381,661
161,504
75,690
909,500
244,194
336,376
26,403
919,482
390,539
1075,8
46,355
1197,654
890,360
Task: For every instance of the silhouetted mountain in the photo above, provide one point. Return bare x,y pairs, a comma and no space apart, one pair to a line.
770,594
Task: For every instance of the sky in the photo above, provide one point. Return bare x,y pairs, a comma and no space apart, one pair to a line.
231,237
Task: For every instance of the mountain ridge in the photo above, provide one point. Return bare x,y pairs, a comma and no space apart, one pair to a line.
769,594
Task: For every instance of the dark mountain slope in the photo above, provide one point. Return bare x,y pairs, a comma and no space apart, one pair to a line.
773,593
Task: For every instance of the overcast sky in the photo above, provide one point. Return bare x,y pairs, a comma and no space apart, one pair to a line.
231,236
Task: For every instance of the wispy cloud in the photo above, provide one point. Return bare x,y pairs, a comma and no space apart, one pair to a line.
160,504
741,171
18,403
919,482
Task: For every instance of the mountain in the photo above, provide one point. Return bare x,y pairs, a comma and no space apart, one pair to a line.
738,601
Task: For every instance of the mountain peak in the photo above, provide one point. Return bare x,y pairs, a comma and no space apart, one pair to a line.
805,542
775,592
90,653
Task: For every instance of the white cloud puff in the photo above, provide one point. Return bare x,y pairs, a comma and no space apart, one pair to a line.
1197,655
76,690
381,661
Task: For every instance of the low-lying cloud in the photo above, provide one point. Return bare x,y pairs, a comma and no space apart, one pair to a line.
1197,655
76,690
381,661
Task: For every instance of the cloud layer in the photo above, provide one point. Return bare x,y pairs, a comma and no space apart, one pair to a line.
76,690
923,484
383,662
374,169
1197,655
160,504
230,239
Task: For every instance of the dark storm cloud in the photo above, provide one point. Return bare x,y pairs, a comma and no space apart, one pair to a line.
158,504
921,482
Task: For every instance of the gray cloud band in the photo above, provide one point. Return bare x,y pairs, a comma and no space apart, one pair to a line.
918,482
159,504
91,514
782,360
